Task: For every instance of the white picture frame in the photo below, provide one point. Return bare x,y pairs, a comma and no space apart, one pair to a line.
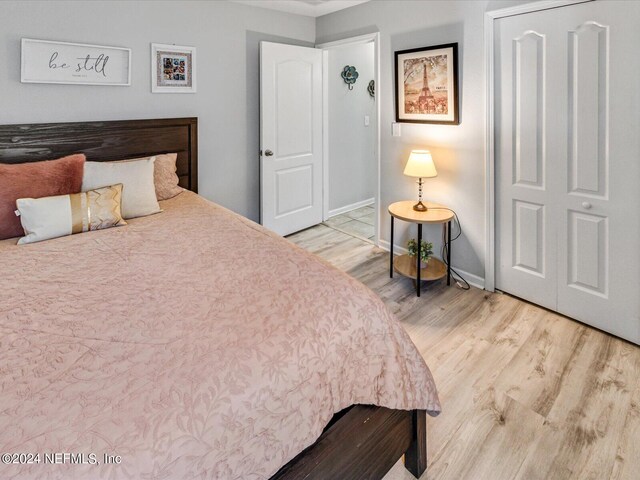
173,68
47,61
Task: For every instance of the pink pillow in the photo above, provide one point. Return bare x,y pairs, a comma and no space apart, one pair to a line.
165,177
35,180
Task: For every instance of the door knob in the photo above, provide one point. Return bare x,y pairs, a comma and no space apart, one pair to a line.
586,205
268,153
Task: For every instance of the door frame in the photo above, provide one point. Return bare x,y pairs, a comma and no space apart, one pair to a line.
325,47
489,143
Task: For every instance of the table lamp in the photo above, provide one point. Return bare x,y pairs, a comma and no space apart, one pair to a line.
420,164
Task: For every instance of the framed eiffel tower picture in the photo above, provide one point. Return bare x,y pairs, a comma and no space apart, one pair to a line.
427,85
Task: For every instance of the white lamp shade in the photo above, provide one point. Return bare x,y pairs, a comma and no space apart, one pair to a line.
420,164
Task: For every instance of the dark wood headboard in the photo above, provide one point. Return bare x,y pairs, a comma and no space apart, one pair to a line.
106,141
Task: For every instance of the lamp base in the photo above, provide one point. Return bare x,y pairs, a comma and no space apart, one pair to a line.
420,207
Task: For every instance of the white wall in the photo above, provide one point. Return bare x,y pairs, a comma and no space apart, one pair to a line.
352,163
458,151
226,35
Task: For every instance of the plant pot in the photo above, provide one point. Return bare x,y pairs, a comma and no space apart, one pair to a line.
424,264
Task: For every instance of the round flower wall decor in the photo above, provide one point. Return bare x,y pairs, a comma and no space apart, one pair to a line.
349,75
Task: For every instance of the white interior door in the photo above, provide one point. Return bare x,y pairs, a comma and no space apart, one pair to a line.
567,162
290,137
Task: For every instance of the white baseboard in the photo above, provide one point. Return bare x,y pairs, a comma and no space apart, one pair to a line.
473,280
353,206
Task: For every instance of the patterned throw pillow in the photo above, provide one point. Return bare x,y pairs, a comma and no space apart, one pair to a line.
52,217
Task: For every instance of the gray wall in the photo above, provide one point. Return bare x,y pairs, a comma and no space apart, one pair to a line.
226,35
458,151
352,164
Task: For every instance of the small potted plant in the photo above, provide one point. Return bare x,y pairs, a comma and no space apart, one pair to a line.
426,250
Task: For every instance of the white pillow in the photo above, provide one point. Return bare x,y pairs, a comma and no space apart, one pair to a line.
138,192
53,217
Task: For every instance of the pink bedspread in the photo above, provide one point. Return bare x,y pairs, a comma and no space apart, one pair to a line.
192,344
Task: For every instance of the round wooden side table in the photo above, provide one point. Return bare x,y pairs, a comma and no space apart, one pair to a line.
408,266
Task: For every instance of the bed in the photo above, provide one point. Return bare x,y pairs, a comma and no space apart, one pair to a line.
194,343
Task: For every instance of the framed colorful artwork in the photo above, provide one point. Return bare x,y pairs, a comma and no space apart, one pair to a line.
173,69
427,85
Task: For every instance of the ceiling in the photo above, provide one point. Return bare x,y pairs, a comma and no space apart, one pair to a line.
310,8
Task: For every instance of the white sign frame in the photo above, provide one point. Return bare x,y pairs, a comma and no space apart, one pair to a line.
178,50
67,73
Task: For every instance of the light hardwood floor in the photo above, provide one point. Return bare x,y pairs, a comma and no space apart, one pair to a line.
526,393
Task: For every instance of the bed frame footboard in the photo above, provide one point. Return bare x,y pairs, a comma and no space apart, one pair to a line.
363,443
415,458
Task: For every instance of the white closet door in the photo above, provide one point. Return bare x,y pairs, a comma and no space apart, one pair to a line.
571,201
526,157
